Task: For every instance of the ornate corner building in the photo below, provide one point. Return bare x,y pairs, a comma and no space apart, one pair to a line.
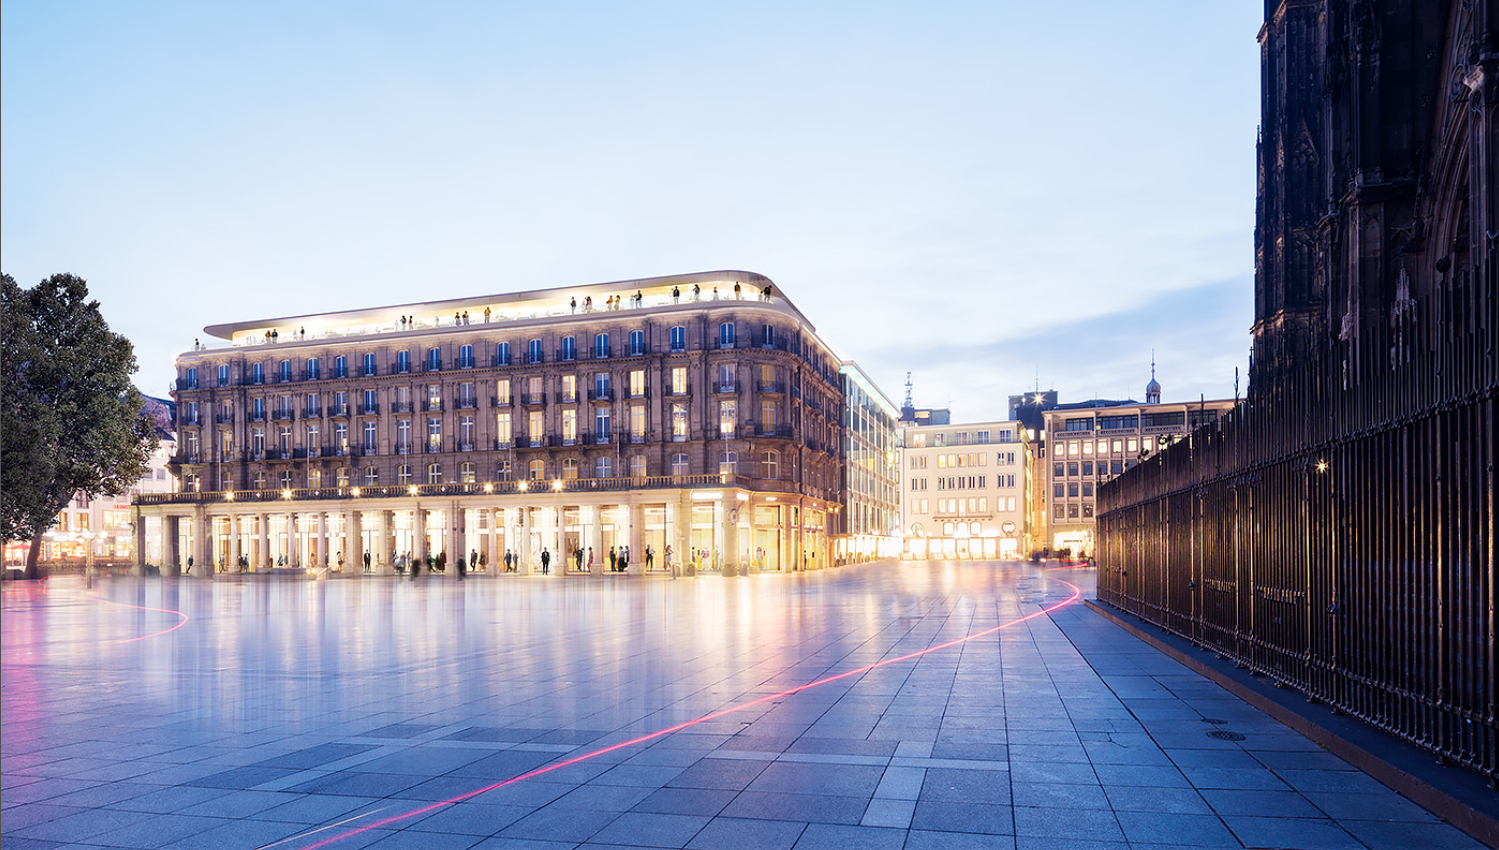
694,413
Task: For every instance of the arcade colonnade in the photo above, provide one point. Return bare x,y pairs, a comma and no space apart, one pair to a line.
730,530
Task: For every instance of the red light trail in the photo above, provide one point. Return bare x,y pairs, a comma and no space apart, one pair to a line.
1076,593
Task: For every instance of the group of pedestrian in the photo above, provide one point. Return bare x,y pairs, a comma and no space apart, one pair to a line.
460,319
619,561
408,323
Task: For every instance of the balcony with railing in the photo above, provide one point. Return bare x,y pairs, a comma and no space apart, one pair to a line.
531,399
635,393
599,438
497,401
312,412
282,415
189,419
763,430
224,419
432,405
338,410
466,403
369,410
401,407
567,397
637,438
725,388
463,363
501,445
772,387
683,390
604,394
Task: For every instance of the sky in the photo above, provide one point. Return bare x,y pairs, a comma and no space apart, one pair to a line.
990,196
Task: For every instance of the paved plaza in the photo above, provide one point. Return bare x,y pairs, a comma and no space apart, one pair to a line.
255,713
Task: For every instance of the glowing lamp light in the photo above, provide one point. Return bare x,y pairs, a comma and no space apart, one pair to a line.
489,488
557,485
411,489
229,496
1321,466
354,491
521,486
286,494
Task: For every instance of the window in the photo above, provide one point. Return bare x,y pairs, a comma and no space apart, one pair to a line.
466,473
637,422
536,470
1088,447
770,465
603,467
728,417
637,343
502,470
403,362
601,345
1058,469
284,371
260,481
570,469
1059,490
569,348
637,383
466,434
1177,419
434,434
502,429
679,422
502,354
725,377
403,436
288,479
369,364
313,370
536,427
678,381
679,339
466,395
726,335
466,357
434,473
341,477
1072,489
224,376
257,373
1112,423
1072,511
601,385
1116,467
601,426
314,478
434,359
1084,423
1072,469
314,440
1087,488
533,351
370,437
679,464
768,336
192,379
1087,467
569,426
371,476
982,438
637,466
226,482
767,414
728,462
502,392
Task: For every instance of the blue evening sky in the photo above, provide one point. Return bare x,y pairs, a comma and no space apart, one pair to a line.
978,193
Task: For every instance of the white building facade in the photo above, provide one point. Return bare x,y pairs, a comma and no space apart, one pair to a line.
963,491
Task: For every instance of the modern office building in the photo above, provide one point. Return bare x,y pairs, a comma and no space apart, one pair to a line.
1090,442
869,520
963,491
699,413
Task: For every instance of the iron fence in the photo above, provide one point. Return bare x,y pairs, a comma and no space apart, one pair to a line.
1336,531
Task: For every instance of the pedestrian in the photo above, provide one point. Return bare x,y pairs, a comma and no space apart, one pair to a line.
546,561
507,560
639,298
573,304
738,296
366,562
302,332
676,295
590,559
461,568
340,560
650,557
765,293
715,292
189,563
588,303
697,292
613,561
486,315
666,561
578,558
416,566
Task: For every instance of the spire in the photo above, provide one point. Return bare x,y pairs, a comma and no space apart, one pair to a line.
1152,389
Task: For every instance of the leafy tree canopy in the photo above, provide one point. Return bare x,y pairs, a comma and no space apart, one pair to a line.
70,420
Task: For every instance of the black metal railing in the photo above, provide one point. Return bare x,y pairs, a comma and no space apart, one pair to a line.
1335,531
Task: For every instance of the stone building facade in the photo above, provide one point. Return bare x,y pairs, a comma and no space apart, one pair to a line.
694,412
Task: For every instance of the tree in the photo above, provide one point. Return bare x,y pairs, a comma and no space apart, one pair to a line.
70,420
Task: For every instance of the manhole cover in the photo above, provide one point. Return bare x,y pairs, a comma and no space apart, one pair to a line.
1225,735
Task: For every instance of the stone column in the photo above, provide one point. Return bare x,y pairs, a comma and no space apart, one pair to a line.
201,550
637,536
383,555
523,546
320,558
139,525
264,554
168,544
354,537
680,530
419,536
595,540
493,546
235,548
